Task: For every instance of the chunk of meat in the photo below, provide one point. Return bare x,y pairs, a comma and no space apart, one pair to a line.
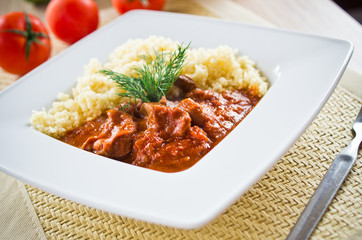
169,142
170,155
116,138
216,113
181,86
185,83
204,117
110,135
167,122
78,136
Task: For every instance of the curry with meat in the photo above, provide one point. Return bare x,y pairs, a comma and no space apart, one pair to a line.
170,135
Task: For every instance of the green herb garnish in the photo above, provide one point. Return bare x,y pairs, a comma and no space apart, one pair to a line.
152,81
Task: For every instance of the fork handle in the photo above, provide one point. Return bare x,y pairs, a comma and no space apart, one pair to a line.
325,192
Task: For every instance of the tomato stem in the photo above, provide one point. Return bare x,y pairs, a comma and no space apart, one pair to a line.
30,36
145,3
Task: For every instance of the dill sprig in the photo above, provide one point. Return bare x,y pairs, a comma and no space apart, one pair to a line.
151,81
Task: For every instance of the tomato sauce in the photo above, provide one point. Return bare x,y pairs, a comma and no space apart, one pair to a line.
169,136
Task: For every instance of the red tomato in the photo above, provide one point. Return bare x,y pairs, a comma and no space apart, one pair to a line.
24,42
71,20
123,6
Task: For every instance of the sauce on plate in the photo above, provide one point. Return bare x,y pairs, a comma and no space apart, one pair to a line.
170,135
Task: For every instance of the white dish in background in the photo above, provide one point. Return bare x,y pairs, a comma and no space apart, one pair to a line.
303,70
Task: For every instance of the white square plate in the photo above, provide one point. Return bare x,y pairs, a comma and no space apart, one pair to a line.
303,71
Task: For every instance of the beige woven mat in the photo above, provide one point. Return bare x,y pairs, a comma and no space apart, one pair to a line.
267,211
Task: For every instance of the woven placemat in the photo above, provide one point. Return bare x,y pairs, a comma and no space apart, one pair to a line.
267,211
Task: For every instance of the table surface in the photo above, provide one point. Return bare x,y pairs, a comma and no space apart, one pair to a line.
322,17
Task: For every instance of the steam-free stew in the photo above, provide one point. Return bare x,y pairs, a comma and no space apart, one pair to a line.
170,135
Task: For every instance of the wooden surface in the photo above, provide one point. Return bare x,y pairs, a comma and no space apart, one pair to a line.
322,17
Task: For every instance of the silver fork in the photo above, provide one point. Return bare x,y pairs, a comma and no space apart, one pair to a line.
328,187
